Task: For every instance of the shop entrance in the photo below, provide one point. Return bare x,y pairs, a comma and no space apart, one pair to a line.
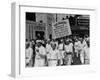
39,35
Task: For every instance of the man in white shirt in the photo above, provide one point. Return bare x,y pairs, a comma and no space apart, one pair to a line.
87,54
76,47
61,52
53,56
28,55
40,55
48,49
81,49
68,53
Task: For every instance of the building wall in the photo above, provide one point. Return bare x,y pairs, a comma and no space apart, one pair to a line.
41,16
48,20
32,27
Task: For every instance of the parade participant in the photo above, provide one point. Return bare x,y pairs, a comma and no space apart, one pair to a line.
87,56
28,55
48,49
72,48
40,55
33,47
76,47
86,38
61,52
48,46
56,42
81,50
68,52
26,42
53,59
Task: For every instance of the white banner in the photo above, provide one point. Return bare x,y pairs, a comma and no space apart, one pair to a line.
61,29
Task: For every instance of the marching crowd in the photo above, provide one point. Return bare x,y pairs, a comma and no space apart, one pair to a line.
57,52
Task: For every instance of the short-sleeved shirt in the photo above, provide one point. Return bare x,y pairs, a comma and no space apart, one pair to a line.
61,45
54,54
69,47
48,47
28,54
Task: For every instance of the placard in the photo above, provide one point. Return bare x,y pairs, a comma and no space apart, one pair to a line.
61,29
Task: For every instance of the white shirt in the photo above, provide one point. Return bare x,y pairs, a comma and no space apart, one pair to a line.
37,52
69,48
48,47
28,54
76,45
84,44
60,46
42,50
87,56
54,54
56,44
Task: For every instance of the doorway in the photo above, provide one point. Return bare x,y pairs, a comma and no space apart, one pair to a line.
39,35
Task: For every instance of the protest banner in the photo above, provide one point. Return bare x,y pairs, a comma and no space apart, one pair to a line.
61,29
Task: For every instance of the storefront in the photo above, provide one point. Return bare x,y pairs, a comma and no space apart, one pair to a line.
35,30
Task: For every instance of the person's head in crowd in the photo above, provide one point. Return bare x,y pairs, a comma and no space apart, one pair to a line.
53,46
86,36
33,41
76,39
31,44
52,42
26,40
61,41
88,43
66,41
48,41
71,36
38,43
43,43
27,45
70,40
80,39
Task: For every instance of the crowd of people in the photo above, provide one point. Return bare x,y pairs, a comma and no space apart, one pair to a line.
72,50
